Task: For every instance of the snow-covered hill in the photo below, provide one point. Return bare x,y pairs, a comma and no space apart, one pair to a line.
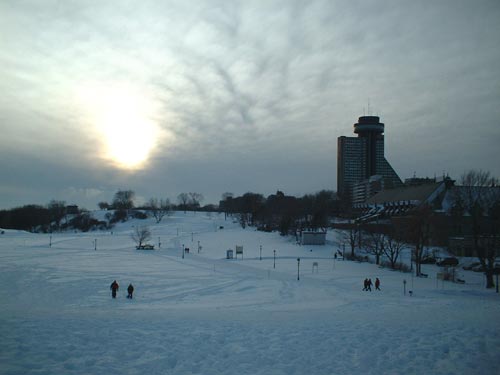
204,314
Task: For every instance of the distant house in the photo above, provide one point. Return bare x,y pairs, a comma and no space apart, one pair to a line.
313,237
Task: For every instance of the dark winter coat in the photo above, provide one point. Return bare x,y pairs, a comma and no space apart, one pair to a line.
114,286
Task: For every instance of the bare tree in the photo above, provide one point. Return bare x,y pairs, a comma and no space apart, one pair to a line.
123,200
159,208
103,205
141,234
57,211
196,199
419,232
374,243
225,203
478,200
393,246
351,237
183,199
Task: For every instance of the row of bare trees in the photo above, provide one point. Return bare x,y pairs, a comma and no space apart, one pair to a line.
123,202
390,245
280,211
190,201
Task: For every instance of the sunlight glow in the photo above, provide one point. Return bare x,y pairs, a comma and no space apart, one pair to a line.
123,118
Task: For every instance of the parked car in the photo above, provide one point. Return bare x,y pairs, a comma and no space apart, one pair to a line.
428,260
471,266
448,262
478,268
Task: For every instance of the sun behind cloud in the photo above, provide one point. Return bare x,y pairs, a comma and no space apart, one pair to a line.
123,120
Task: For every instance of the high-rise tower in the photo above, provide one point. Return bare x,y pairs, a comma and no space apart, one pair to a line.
359,158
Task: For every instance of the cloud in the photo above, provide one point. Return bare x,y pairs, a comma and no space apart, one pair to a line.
259,90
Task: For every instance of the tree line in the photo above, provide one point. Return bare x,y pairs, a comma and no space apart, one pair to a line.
276,212
281,212
33,216
56,216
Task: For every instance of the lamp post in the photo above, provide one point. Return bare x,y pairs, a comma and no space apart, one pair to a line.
159,243
274,261
298,268
404,287
50,241
198,247
95,244
411,261
260,256
182,251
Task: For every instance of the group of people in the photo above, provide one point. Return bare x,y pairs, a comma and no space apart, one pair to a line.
367,284
115,287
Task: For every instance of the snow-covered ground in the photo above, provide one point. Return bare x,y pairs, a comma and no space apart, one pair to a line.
205,314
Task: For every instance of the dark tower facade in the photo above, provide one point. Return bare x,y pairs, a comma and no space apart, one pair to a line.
359,158
372,131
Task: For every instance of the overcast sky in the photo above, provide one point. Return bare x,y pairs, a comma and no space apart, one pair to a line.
164,97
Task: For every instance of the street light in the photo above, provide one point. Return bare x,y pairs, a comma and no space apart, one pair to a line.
198,247
182,251
274,261
159,243
298,268
260,256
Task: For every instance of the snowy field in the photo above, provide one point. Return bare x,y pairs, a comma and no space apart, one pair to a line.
205,314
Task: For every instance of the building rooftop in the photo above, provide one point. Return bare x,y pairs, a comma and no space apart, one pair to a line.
406,193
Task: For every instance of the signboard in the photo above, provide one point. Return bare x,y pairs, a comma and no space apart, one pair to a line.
239,250
313,238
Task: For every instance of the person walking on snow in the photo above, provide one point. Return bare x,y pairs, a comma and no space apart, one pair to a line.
130,290
114,288
365,284
369,285
377,284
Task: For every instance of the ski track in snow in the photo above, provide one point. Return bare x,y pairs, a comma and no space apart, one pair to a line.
207,315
